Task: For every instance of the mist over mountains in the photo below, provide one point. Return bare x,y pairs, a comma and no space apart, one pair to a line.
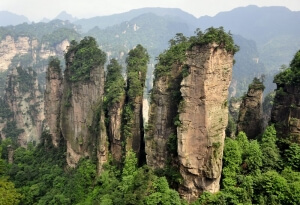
272,31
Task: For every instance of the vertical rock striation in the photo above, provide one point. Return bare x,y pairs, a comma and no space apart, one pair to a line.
114,129
286,108
162,112
286,112
133,127
82,118
203,117
25,100
53,96
250,114
114,101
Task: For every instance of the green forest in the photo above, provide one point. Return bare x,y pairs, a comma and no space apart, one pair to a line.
254,172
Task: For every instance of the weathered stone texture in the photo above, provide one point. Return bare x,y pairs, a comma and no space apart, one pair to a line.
81,113
53,96
204,117
250,115
163,110
286,112
114,129
27,106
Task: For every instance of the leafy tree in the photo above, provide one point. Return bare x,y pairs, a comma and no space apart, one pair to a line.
270,152
215,35
114,84
292,156
86,56
8,193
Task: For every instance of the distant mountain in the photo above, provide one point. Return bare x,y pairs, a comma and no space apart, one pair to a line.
7,18
106,21
64,16
275,30
257,23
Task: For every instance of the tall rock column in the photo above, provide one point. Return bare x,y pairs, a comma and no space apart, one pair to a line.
286,108
133,128
203,116
162,112
250,115
114,103
82,118
53,96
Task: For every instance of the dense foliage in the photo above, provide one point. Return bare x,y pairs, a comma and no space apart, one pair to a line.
176,54
254,172
85,56
114,84
38,176
290,75
137,62
215,35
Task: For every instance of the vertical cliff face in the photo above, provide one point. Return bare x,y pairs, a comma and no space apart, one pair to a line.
114,101
25,100
82,118
162,112
250,115
11,47
114,129
286,112
286,108
53,96
203,117
133,128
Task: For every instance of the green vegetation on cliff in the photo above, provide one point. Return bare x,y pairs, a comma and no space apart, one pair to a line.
290,76
82,57
180,44
215,35
137,62
114,84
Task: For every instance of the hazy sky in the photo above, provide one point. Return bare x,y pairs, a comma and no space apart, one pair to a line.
35,10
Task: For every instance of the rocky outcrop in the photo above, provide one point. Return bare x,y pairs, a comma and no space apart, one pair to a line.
82,118
286,112
162,112
52,97
11,47
25,100
203,118
136,127
133,126
81,103
250,114
114,129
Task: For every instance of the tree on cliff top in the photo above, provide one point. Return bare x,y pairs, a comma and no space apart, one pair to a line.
114,84
86,56
291,75
137,61
215,35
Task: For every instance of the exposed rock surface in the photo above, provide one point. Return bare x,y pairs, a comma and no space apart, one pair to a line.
163,110
81,102
82,118
136,127
53,96
26,102
114,129
11,47
203,117
234,107
286,112
250,115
